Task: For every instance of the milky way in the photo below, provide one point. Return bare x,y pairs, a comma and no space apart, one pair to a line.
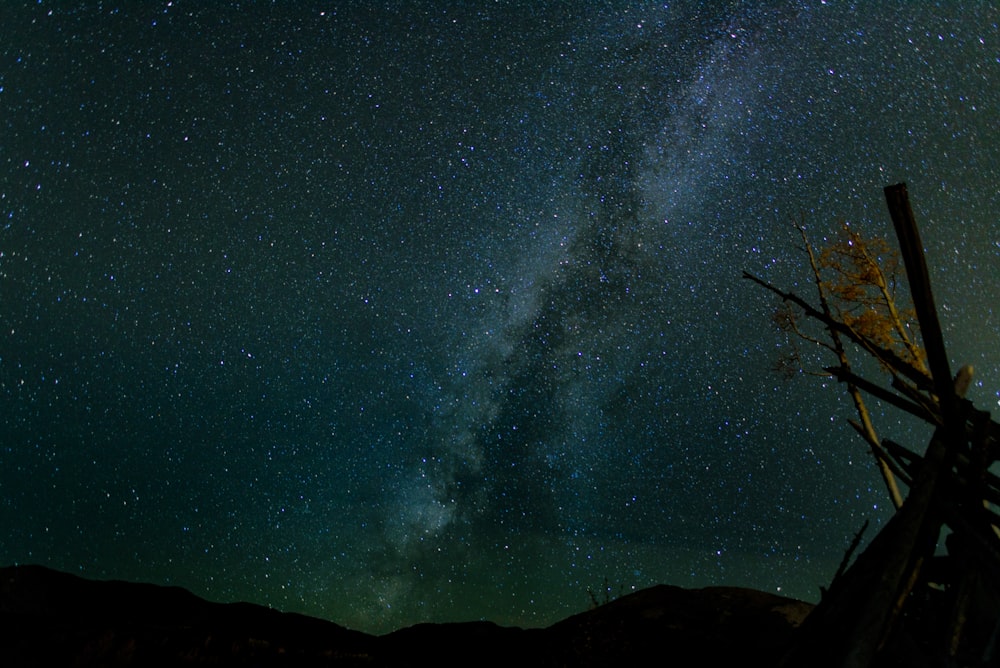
432,310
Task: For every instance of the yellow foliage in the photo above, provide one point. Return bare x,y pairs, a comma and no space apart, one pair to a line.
860,277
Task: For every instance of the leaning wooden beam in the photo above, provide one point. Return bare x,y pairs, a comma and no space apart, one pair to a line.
846,561
852,624
880,353
923,299
926,400
845,376
908,460
848,627
985,485
957,487
880,452
854,621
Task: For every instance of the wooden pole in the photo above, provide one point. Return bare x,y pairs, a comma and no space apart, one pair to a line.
850,626
923,300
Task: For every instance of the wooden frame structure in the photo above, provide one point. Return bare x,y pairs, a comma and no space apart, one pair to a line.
901,602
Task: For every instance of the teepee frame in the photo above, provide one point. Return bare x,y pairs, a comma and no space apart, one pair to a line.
899,601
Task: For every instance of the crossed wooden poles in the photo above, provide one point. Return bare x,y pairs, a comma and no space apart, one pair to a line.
899,604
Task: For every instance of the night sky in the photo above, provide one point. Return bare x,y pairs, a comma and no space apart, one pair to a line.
433,311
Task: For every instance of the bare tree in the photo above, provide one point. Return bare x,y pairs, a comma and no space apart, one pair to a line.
883,602
859,307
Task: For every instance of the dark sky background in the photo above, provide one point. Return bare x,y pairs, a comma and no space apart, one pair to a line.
426,311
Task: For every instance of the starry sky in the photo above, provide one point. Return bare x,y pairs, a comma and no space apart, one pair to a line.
402,311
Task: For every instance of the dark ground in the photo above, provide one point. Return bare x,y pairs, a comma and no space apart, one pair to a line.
53,618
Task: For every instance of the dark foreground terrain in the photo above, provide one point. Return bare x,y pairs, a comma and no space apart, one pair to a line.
53,618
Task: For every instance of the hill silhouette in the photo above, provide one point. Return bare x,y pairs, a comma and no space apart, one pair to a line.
53,618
